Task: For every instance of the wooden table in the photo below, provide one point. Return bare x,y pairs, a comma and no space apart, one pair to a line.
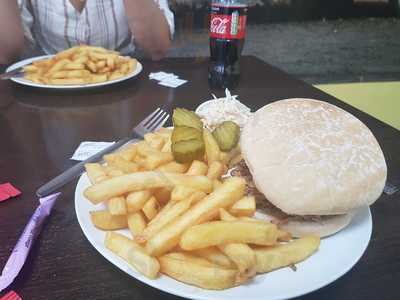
40,130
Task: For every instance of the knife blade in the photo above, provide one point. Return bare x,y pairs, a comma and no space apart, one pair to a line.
14,73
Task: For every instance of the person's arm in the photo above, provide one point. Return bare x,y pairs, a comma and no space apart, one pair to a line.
149,27
11,31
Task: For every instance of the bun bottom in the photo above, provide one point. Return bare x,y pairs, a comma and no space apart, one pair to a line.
323,228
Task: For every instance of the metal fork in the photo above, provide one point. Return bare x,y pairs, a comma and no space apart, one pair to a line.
151,123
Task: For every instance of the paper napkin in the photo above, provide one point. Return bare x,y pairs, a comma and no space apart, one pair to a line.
87,149
167,79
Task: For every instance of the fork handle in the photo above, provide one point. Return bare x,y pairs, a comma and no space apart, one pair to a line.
76,170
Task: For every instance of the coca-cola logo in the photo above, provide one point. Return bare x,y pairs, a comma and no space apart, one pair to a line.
219,25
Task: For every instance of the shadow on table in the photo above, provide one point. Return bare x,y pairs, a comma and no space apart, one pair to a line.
64,98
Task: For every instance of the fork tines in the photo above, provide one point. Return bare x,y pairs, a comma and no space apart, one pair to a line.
156,118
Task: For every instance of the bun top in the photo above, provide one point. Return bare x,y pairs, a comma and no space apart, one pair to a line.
309,157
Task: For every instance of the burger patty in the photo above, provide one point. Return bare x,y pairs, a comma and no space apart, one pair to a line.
241,170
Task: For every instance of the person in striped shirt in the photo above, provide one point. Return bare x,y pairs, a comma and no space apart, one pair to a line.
33,27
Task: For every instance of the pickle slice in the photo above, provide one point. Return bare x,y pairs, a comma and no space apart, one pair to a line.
184,117
184,133
227,135
187,151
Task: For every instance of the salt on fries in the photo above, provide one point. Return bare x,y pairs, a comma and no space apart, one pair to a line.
185,220
80,65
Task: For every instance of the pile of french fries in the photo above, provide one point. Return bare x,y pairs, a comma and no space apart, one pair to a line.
80,65
185,220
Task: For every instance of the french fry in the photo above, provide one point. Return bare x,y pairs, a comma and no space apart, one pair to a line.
32,77
197,168
131,252
67,81
162,194
216,184
132,63
95,172
74,65
215,170
157,144
78,59
128,152
212,148
115,75
148,137
167,146
119,163
197,196
136,223
97,78
91,66
59,65
272,258
223,232
155,160
117,206
136,200
31,69
216,256
165,132
102,219
231,191
70,74
245,207
197,271
283,236
112,171
171,212
241,254
43,63
181,192
151,208
100,64
120,185
123,67
226,216
67,53
105,70
173,167
95,55
110,158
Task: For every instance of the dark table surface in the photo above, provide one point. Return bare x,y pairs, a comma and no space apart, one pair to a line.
40,129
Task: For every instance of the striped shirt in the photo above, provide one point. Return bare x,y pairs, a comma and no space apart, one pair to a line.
54,25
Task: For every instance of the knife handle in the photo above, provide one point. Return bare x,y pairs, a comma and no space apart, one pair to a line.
76,170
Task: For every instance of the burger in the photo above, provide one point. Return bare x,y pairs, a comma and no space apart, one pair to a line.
310,164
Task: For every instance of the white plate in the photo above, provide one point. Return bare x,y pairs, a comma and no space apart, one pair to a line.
336,256
28,61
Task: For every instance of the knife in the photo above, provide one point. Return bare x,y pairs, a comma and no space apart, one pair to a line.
14,73
77,169
151,123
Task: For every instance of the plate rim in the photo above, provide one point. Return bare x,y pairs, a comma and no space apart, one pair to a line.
109,256
24,62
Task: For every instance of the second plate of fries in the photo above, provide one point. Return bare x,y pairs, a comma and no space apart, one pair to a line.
185,229
76,68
